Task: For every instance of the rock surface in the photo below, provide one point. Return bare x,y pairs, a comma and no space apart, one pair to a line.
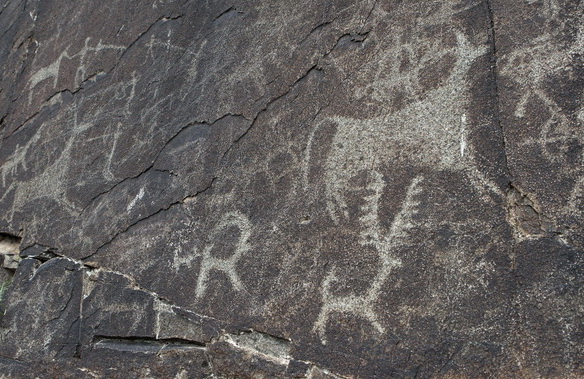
292,189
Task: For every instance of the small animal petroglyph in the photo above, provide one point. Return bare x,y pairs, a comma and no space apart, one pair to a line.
371,235
52,70
556,127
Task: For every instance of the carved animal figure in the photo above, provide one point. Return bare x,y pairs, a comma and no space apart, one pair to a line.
431,132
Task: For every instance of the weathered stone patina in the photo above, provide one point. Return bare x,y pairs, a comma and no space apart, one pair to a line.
292,189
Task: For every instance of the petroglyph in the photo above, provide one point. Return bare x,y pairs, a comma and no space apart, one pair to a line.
401,180
408,67
463,143
226,265
193,70
52,70
556,128
431,132
548,7
52,180
17,161
135,200
54,176
155,43
385,244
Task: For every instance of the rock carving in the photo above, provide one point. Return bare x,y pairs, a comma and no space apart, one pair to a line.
226,265
385,243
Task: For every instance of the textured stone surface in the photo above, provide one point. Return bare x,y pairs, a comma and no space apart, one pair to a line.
308,189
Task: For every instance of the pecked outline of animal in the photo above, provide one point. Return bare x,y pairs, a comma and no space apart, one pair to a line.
431,132
384,243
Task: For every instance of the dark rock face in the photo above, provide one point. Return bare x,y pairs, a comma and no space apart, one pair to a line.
308,189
